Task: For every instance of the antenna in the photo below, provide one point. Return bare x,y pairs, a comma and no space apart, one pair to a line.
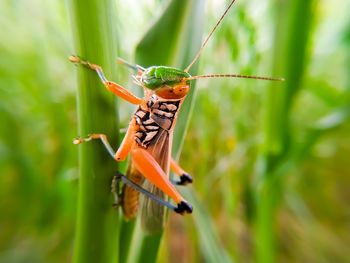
232,76
205,42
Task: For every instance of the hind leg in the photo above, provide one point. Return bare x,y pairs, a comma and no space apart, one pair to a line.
115,189
149,168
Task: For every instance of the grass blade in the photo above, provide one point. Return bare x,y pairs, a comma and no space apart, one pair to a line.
289,61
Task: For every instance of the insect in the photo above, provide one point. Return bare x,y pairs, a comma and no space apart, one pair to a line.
148,139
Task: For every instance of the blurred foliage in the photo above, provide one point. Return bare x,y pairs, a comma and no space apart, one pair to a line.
223,147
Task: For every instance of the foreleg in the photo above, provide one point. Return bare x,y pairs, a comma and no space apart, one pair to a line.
111,86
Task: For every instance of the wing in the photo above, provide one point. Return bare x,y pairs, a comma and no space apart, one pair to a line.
153,213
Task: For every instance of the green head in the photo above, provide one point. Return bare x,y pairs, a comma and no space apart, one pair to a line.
167,82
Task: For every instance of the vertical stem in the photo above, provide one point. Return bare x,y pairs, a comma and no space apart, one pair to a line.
292,32
97,223
126,233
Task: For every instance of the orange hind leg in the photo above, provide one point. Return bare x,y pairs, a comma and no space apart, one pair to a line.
149,168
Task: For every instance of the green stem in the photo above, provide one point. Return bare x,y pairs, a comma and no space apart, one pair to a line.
126,234
289,61
97,223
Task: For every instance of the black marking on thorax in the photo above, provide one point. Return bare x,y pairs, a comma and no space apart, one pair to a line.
158,116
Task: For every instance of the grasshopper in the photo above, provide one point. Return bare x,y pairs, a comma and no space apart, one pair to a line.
149,138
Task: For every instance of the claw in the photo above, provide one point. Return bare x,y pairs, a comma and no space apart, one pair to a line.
77,141
74,59
183,208
185,179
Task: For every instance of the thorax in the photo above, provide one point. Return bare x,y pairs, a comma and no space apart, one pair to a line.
156,116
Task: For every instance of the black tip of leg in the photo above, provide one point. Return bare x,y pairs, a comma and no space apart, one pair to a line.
185,179
118,176
183,207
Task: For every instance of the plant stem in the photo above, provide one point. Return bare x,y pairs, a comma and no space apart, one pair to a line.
289,61
97,223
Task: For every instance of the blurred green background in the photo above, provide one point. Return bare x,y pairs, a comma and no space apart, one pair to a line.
245,136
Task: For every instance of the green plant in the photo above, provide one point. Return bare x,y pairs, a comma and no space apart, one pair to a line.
97,223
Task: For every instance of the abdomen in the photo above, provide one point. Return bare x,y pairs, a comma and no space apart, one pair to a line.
130,196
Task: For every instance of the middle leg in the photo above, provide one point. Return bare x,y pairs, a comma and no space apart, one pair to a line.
185,178
124,148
